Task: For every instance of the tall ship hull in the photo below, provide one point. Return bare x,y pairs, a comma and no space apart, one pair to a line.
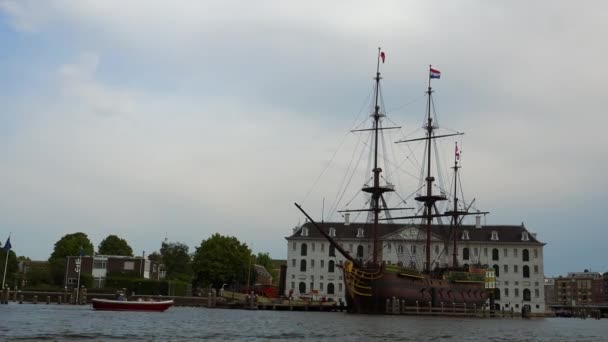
369,290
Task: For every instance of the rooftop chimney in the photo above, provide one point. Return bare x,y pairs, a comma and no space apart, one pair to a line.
478,220
347,219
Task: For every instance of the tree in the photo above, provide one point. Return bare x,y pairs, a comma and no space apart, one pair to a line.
176,259
113,245
264,259
69,244
222,260
156,257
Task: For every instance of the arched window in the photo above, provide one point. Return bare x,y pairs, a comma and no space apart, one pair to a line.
302,265
331,266
302,287
527,296
360,251
496,270
495,254
332,250
525,256
304,250
526,271
330,288
465,253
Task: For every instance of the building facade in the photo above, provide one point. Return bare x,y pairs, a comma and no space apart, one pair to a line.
580,288
515,254
100,266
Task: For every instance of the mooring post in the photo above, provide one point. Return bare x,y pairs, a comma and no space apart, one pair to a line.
59,300
430,307
21,299
35,301
475,309
454,307
48,299
417,307
441,307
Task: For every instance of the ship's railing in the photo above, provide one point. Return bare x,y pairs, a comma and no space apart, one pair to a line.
410,272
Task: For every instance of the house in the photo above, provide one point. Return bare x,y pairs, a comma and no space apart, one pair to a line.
99,267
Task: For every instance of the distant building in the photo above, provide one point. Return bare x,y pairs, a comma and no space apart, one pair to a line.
550,292
580,288
514,253
100,266
27,267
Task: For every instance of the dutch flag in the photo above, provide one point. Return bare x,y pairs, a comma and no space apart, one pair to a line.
435,73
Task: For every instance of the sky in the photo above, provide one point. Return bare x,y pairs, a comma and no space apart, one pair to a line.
165,119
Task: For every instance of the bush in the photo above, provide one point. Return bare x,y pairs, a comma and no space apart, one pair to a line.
147,286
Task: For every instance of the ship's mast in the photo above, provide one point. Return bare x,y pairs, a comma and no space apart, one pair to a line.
375,204
429,202
455,216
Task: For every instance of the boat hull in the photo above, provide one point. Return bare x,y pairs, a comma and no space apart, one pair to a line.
117,305
370,296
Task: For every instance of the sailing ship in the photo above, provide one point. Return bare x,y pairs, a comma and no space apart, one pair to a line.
371,283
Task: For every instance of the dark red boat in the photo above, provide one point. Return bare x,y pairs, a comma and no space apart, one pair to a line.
130,305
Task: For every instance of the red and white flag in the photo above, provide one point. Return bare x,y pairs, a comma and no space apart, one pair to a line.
382,56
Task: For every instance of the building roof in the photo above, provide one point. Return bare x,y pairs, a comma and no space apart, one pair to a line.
505,233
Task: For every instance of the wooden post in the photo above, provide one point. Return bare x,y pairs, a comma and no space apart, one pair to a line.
417,308
430,307
59,300
15,293
475,309
35,301
48,299
21,299
387,308
454,307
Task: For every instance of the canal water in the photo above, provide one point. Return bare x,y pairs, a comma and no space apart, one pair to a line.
41,322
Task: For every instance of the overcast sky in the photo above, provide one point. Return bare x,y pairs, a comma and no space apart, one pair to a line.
149,119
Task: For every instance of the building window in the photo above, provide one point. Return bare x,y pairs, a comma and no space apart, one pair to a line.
505,268
515,252
506,292
527,296
465,253
322,247
350,248
525,255
322,264
505,252
516,292
304,250
465,234
313,247
100,264
536,293
320,286
330,288
360,233
496,270
293,262
304,231
536,269
331,266
332,251
293,276
524,236
360,251
485,252
312,263
475,251
400,249
515,268
413,248
293,285
312,286
495,254
332,231
303,265
526,271
494,236
535,253
294,246
129,266
302,287
340,287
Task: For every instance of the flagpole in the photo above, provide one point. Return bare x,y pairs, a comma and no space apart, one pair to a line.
8,253
79,266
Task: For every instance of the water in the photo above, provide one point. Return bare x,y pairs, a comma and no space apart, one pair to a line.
28,322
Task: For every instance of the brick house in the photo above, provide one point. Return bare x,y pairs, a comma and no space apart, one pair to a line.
99,267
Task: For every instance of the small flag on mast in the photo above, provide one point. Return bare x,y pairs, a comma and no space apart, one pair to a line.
457,152
7,245
434,73
382,56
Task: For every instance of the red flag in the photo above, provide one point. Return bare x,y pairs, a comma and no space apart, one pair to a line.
383,56
457,153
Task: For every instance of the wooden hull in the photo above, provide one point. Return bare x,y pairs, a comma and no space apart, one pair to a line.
117,305
369,296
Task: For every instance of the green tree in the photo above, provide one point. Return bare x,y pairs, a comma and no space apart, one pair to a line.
176,259
222,260
11,268
156,257
264,259
69,244
113,245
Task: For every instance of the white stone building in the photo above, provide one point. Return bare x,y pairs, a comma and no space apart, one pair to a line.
514,253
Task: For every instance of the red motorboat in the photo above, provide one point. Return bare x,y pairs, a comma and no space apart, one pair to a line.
130,305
